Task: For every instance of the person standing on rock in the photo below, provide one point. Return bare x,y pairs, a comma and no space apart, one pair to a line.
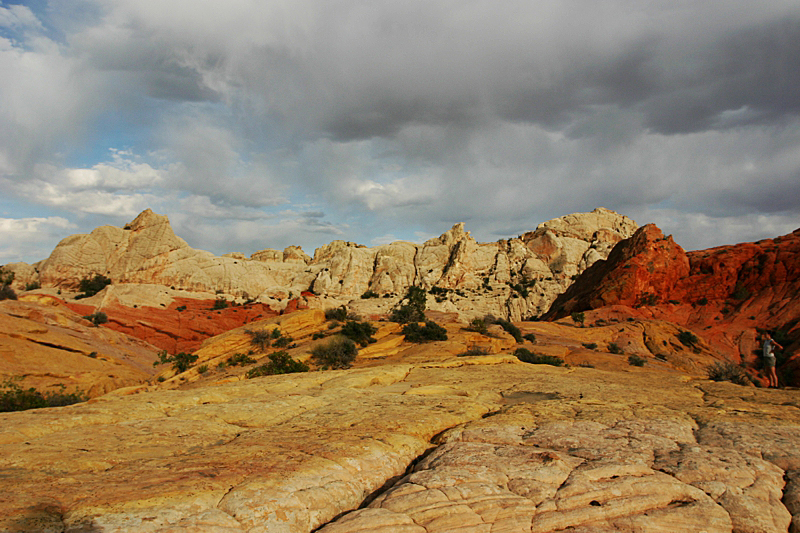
769,359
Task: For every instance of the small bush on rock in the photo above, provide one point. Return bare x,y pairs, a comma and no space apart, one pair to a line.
336,313
530,337
511,329
259,339
359,332
414,308
15,398
339,352
97,318
279,363
635,360
590,345
526,356
726,371
613,347
240,359
431,331
688,338
7,293
91,286
475,350
180,362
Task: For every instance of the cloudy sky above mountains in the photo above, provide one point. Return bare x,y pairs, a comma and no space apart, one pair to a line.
260,124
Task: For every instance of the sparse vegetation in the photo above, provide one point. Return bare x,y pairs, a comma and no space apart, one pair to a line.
635,360
474,350
283,341
6,279
239,359
279,363
687,338
97,318
478,325
7,293
317,335
431,331
526,356
578,318
336,313
180,362
414,308
726,371
614,348
530,337
91,286
220,303
339,352
370,294
260,339
590,345
32,286
702,301
511,329
14,398
202,369
359,332
740,292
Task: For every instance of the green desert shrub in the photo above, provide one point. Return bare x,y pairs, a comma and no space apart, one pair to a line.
578,318
511,329
590,345
91,286
359,332
635,360
474,350
32,286
339,352
726,371
526,356
7,293
180,362
97,318
279,363
687,338
317,335
370,294
6,277
202,369
14,398
613,347
239,359
413,310
283,341
336,313
530,337
431,331
478,325
260,339
220,303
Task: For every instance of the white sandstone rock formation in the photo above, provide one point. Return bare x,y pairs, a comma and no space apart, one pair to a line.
513,278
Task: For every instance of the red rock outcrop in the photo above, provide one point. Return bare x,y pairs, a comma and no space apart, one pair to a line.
724,294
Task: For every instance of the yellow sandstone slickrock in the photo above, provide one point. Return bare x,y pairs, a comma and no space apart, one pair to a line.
491,446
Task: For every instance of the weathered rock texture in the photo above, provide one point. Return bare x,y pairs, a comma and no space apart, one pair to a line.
527,448
723,294
514,278
48,345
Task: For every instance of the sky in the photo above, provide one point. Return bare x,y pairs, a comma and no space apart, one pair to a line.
268,123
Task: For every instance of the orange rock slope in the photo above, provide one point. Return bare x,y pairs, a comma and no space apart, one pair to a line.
727,295
184,324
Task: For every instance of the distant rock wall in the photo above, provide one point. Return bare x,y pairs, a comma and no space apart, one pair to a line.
513,278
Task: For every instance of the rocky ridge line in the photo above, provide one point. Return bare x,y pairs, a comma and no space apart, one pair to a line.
512,278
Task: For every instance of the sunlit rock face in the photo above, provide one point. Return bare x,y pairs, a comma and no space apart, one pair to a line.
513,278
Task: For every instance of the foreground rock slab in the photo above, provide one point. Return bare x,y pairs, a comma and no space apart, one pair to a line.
467,444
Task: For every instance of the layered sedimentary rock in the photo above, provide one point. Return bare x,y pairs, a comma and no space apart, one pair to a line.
432,447
510,278
46,345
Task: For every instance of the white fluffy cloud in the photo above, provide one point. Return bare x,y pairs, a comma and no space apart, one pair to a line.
30,236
